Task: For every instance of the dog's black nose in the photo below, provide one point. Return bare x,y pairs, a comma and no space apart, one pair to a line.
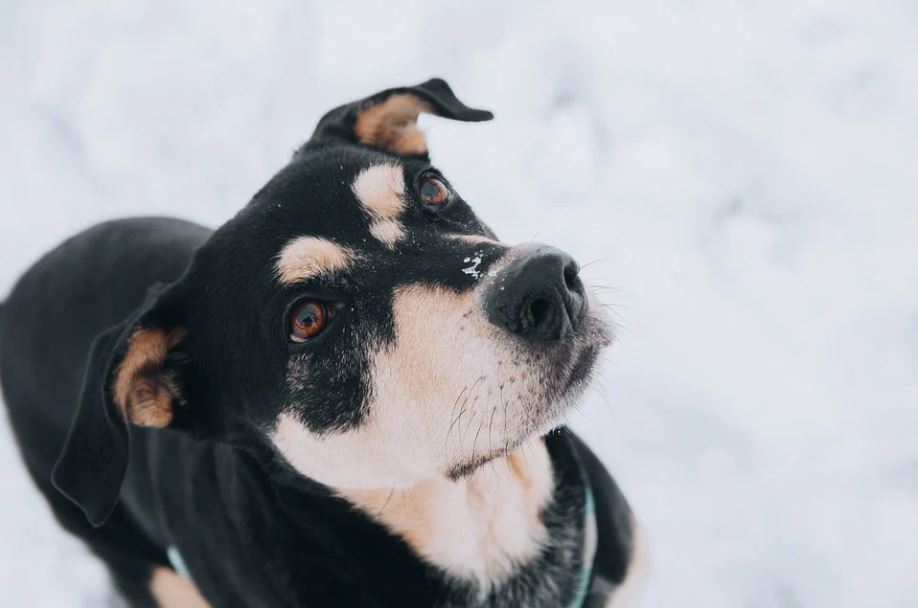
538,296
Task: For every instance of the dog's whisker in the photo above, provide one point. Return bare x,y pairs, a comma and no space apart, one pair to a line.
490,426
596,261
386,503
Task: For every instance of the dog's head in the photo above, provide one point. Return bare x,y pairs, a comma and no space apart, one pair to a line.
357,315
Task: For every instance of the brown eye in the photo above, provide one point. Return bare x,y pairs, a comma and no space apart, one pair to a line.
433,191
308,319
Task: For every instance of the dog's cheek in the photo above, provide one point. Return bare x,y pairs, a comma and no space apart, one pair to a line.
326,429
328,385
450,388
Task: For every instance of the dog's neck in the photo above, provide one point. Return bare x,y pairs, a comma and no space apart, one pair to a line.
479,527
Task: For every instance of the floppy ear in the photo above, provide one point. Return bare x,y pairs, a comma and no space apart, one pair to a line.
388,119
134,377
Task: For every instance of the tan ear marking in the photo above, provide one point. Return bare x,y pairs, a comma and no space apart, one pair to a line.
142,392
392,124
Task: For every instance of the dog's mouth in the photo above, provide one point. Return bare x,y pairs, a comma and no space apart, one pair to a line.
566,371
581,369
575,361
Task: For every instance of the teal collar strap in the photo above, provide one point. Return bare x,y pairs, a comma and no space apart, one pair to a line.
589,549
178,564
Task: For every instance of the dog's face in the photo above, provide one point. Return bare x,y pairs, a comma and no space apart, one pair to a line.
359,316
417,344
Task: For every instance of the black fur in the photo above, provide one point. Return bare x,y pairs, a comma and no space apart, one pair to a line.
251,530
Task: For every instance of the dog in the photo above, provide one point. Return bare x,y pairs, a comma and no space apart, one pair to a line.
350,394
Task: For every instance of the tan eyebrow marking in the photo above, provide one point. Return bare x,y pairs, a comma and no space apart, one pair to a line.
388,232
381,190
306,257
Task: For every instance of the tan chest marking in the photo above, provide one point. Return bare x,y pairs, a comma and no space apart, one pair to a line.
479,527
172,590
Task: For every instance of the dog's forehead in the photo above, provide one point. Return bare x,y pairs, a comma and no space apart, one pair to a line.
325,211
356,202
322,186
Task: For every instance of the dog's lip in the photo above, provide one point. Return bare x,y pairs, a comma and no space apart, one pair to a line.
590,340
578,372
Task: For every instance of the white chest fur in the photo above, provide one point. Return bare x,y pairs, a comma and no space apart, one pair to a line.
478,527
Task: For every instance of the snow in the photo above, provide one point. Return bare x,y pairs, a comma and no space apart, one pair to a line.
740,174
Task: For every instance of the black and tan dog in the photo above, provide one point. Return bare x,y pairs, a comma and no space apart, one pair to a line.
348,395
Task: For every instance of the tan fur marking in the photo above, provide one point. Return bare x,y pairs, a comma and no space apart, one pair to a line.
392,124
381,189
626,595
172,590
477,527
388,232
306,257
143,398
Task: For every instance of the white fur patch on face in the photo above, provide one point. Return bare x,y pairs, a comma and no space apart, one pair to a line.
171,590
479,527
306,257
381,190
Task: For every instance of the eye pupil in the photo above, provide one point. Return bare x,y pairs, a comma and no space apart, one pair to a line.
433,191
308,319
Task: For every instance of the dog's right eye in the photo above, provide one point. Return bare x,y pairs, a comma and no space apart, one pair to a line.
308,319
433,192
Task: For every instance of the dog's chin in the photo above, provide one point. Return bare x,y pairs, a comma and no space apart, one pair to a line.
569,374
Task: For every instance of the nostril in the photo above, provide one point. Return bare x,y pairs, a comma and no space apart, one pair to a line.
540,311
571,278
540,297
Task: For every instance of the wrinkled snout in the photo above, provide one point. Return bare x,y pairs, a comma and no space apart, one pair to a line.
538,296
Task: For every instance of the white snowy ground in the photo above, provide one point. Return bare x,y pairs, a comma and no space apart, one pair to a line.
743,173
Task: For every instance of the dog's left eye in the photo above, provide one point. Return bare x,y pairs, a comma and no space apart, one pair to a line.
433,192
308,319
